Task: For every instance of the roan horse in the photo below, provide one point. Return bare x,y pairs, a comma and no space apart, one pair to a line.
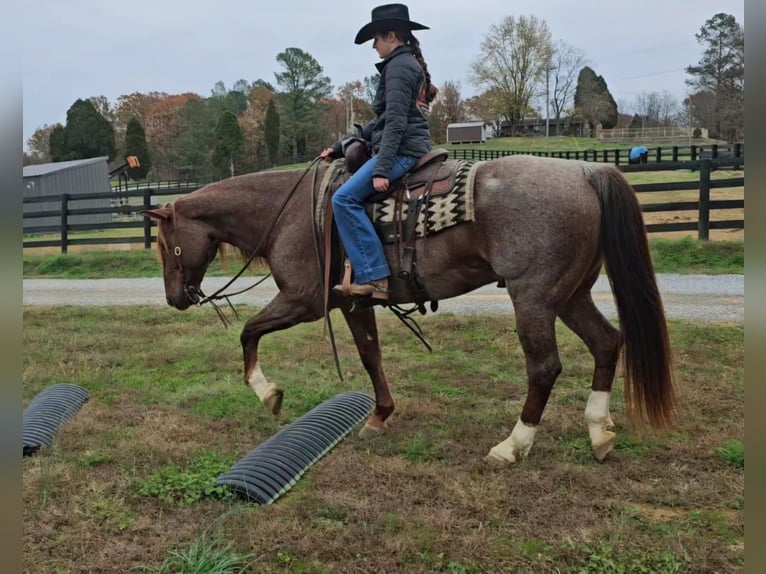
542,226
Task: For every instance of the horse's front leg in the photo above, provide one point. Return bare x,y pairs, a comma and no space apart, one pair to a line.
364,329
282,312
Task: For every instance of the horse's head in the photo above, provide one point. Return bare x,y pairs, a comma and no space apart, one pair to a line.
185,249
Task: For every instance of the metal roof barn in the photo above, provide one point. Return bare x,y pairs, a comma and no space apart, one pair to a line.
76,177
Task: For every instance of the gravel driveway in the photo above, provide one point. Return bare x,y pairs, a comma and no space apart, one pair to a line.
712,298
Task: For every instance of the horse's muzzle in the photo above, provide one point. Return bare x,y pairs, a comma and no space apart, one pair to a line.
193,294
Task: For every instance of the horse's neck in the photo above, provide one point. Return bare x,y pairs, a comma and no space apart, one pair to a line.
242,210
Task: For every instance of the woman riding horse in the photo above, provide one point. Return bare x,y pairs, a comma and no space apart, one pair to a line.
399,135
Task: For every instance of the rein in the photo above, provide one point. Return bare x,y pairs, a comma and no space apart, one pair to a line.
218,294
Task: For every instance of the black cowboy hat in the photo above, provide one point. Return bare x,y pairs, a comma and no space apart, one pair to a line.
385,18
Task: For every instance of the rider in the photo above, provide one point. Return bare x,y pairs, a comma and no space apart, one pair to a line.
399,135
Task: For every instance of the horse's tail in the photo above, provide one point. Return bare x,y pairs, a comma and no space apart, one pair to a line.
648,380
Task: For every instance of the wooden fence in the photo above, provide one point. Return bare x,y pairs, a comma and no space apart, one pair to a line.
122,207
616,156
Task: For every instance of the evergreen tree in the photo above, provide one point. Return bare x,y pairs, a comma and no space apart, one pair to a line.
135,144
721,72
57,144
593,100
229,144
192,149
87,132
304,86
271,132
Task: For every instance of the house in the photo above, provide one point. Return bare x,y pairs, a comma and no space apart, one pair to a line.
468,132
82,176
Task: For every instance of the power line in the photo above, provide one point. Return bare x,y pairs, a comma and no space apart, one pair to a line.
650,74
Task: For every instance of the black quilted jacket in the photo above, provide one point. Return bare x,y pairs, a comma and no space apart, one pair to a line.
400,127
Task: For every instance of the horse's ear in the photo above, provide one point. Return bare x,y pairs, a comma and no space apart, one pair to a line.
161,213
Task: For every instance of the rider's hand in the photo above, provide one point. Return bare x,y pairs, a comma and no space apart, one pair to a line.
327,154
380,183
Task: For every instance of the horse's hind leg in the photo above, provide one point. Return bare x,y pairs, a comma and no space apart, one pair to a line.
604,342
364,329
535,325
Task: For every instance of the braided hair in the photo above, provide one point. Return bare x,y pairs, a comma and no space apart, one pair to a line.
408,39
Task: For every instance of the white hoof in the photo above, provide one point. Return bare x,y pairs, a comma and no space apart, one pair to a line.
274,401
604,448
515,447
498,458
369,432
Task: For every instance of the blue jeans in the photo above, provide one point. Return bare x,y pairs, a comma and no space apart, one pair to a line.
363,246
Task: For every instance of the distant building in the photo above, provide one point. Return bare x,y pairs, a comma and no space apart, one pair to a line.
569,126
469,132
81,176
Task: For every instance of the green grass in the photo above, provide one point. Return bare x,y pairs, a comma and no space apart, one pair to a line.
670,256
559,143
114,264
732,452
205,556
691,256
175,485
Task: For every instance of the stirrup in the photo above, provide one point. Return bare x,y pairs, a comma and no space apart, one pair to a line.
374,289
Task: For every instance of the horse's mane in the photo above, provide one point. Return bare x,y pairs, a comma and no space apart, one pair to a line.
225,251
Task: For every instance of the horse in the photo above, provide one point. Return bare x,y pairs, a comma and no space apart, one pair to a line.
543,228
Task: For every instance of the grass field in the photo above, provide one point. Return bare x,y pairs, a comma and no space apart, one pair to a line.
670,256
123,486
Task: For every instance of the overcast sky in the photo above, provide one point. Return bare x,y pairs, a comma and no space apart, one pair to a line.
85,48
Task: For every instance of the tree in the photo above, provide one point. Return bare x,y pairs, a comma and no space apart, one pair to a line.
358,109
135,144
87,132
271,132
515,56
39,144
721,71
454,111
484,107
303,86
192,149
57,144
656,109
593,100
370,87
162,123
234,100
252,123
437,121
229,144
565,65
103,107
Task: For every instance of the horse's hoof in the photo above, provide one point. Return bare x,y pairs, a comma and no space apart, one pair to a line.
602,449
496,459
369,431
274,401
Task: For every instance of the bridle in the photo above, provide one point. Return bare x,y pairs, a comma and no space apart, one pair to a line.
196,295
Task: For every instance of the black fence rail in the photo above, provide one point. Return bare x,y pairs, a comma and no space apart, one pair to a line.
118,208
35,235
615,156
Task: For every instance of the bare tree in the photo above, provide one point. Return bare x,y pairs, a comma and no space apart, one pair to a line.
453,103
358,111
515,56
565,67
39,144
